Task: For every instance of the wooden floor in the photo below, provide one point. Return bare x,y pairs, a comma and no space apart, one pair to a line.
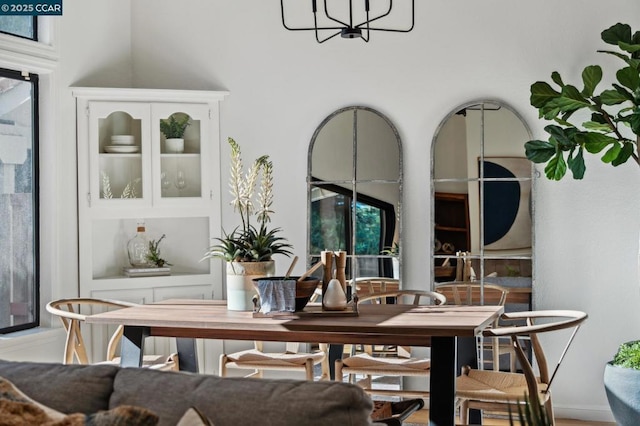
422,416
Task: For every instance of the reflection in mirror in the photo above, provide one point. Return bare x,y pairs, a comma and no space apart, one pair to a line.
354,191
482,207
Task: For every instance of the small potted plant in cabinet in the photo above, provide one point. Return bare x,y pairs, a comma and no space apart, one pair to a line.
173,130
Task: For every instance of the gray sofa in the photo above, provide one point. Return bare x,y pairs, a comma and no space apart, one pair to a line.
226,401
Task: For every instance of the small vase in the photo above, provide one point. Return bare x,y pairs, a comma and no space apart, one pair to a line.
334,298
138,249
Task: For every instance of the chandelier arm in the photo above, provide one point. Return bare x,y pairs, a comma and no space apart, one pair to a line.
328,38
287,27
369,21
413,19
326,12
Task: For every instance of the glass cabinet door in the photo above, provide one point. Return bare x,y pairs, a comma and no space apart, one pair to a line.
178,170
118,152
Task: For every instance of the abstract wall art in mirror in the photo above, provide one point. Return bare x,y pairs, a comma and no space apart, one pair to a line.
355,191
482,198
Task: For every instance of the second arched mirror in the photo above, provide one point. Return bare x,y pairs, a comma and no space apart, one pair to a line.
355,191
481,197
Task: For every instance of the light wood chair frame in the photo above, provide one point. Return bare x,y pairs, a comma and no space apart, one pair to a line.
404,352
474,293
72,318
536,385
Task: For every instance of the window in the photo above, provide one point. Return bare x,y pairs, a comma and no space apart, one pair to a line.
19,242
20,25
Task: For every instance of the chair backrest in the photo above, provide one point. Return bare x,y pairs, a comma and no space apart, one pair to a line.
473,293
537,322
406,297
370,285
70,313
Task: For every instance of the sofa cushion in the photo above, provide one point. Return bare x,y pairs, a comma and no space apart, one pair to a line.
240,401
65,388
16,408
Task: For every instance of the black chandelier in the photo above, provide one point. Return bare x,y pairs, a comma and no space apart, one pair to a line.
346,28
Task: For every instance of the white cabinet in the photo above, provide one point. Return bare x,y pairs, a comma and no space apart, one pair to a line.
124,180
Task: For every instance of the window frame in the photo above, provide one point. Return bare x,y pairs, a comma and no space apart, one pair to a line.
34,79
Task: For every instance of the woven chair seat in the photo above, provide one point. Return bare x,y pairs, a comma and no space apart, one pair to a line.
370,363
256,357
154,362
495,386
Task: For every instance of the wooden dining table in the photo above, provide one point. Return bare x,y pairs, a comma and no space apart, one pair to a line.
443,328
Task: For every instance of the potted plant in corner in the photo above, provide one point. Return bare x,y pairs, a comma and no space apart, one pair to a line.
248,250
173,130
612,129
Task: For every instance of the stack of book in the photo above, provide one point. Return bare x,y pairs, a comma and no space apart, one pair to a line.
146,272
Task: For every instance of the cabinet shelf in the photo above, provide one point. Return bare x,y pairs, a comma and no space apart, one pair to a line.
450,229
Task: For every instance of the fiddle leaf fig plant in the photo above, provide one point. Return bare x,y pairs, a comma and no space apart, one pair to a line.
612,128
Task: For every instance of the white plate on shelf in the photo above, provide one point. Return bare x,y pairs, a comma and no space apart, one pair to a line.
121,149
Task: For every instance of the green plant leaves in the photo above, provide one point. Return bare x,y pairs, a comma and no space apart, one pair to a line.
556,168
603,133
541,93
629,78
539,151
628,355
576,164
617,33
591,76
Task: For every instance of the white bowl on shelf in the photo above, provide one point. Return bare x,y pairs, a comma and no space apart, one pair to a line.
122,140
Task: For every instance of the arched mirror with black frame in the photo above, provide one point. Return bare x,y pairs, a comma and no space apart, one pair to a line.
482,204
355,192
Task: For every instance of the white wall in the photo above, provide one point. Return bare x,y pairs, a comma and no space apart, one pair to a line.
283,84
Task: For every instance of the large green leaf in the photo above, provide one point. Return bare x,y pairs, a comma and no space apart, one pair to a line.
541,93
625,153
556,167
613,97
612,153
629,78
591,76
555,76
592,125
634,121
629,47
595,142
617,33
576,164
539,151
561,136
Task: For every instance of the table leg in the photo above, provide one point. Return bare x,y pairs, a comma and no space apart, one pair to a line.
132,345
335,353
187,354
442,381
